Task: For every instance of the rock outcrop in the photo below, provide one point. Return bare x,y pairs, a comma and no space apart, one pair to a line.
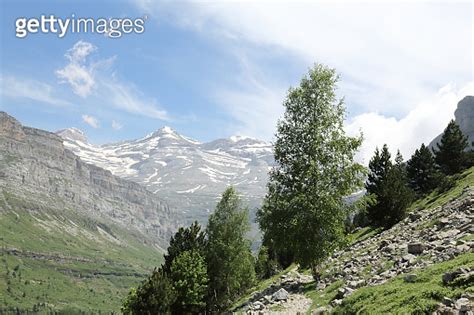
464,117
35,165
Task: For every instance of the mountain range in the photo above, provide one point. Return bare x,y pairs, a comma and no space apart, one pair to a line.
185,173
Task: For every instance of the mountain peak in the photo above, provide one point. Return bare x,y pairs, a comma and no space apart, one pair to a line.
163,131
72,134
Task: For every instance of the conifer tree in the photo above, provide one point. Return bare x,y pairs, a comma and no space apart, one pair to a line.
303,212
421,171
189,275
379,167
185,239
388,184
450,154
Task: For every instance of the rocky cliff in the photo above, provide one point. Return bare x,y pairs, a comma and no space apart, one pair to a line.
34,164
464,117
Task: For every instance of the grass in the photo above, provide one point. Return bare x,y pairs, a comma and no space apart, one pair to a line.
398,297
321,298
436,199
363,234
67,262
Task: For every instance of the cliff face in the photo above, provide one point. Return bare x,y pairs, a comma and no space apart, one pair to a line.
464,117
35,165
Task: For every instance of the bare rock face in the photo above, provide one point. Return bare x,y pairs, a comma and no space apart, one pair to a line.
464,117
10,127
35,165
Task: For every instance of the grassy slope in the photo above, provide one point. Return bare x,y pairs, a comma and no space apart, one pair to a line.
420,297
84,265
397,296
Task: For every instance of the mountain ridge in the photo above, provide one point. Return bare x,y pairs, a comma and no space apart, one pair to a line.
188,174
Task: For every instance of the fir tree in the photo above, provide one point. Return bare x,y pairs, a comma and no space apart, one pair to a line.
189,275
450,154
379,167
388,185
421,171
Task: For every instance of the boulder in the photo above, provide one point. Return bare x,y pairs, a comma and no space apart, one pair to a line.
463,305
415,248
280,295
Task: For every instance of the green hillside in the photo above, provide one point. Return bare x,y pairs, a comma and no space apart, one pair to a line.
53,258
442,221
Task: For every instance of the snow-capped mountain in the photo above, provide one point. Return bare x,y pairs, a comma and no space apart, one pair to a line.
187,174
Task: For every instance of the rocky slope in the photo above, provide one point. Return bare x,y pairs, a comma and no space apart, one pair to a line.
464,117
187,174
35,163
427,238
73,236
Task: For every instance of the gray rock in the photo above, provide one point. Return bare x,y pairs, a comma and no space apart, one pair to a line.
447,301
280,295
415,248
409,258
463,305
336,302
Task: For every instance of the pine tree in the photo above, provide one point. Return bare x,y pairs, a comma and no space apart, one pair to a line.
421,171
186,239
180,284
230,261
450,155
189,275
396,195
155,295
303,211
379,168
388,184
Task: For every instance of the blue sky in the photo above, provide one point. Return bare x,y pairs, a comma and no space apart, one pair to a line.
214,69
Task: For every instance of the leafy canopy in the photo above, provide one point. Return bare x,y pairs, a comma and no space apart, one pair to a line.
303,211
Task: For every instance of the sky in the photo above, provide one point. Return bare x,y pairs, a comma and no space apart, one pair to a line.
212,69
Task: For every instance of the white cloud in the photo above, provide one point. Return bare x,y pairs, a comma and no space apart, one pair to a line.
91,121
127,97
13,87
85,77
426,120
255,106
116,125
77,72
390,55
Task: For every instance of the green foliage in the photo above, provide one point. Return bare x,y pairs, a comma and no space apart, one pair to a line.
399,297
82,268
387,183
303,211
265,267
421,171
450,155
186,239
189,275
155,295
436,198
181,281
230,261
